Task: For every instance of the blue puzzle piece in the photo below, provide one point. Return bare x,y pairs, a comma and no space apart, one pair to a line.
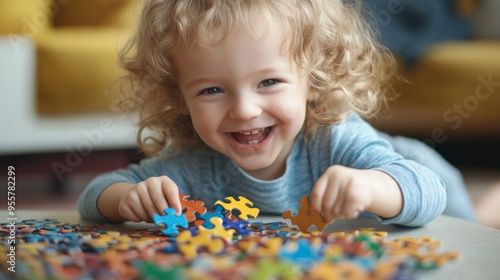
217,212
171,221
302,253
54,229
258,226
276,225
35,238
240,226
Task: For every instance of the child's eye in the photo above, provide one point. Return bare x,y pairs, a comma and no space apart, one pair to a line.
268,83
212,90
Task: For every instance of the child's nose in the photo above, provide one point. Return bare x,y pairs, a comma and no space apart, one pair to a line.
244,107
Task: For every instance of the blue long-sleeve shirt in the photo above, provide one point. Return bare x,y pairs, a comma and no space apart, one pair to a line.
208,175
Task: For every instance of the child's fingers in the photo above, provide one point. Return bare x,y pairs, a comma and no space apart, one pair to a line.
349,210
327,218
352,206
128,214
171,192
317,194
126,205
148,205
330,201
159,201
145,190
356,199
326,198
139,213
339,208
143,215
353,215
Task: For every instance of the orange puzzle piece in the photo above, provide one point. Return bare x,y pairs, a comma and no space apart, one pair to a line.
192,207
305,218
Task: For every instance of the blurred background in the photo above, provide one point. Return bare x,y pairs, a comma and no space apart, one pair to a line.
58,59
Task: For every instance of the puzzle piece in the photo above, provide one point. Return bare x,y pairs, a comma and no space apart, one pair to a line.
171,221
188,245
242,205
270,247
371,232
299,251
248,244
39,222
151,271
370,242
268,250
434,259
340,270
217,212
218,229
275,270
305,218
239,225
192,207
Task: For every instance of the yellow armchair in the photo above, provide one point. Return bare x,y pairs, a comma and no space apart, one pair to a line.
77,43
453,90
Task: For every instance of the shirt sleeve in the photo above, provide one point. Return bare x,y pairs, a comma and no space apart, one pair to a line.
87,203
172,167
355,144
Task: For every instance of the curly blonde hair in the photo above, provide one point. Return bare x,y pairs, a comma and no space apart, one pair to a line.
347,68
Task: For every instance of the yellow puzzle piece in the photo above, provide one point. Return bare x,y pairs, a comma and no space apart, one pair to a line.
242,205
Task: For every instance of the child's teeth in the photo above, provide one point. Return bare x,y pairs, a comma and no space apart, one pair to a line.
251,132
251,137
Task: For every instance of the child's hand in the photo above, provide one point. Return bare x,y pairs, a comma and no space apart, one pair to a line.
341,192
148,197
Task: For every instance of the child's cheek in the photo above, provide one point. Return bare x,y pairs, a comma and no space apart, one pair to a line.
202,124
292,110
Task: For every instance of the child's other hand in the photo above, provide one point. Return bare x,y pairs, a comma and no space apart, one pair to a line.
148,197
341,192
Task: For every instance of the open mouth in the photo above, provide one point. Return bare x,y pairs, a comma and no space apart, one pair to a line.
252,137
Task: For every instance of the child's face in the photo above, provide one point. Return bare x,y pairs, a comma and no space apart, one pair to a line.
247,99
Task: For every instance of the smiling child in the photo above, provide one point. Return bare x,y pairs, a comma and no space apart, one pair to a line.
263,99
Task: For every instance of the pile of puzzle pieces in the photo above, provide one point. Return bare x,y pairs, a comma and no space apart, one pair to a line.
217,244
